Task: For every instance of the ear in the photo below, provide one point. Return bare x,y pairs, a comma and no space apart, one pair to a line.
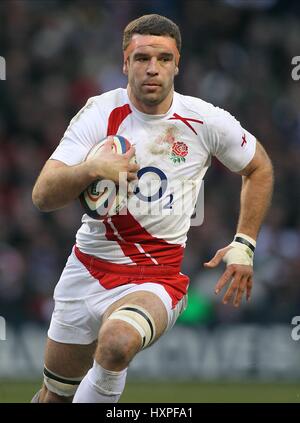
125,67
176,70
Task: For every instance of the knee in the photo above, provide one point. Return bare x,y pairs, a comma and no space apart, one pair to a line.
117,345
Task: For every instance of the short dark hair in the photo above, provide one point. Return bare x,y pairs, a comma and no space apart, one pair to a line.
152,25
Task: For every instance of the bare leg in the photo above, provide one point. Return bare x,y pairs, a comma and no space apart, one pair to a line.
118,340
118,343
66,360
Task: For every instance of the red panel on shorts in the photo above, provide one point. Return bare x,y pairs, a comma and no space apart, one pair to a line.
111,275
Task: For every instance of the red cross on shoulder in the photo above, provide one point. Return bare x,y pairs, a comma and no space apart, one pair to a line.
244,140
186,121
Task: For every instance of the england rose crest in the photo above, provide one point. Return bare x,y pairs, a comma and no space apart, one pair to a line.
179,151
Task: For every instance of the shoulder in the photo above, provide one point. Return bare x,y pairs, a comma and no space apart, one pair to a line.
195,104
213,117
100,106
110,99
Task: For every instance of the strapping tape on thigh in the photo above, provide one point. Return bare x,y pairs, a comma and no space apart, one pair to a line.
139,318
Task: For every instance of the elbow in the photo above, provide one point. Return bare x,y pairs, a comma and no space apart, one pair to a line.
267,167
39,200
269,171
266,175
263,175
264,171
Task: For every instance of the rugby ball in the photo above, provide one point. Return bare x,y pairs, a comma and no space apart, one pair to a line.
103,198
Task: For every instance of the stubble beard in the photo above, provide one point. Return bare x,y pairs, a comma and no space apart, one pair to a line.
152,99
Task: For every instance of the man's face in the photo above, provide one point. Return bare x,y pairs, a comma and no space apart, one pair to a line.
151,70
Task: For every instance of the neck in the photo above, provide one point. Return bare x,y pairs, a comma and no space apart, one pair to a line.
156,109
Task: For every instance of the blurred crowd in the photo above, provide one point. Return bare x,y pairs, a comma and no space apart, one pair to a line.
236,54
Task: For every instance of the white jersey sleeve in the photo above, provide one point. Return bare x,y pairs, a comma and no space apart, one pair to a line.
230,142
85,129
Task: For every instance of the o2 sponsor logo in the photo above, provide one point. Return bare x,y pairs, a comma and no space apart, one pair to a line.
182,197
162,188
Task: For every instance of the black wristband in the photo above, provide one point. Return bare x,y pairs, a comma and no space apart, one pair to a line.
244,241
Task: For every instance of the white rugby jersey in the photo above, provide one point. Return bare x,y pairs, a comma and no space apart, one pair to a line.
173,151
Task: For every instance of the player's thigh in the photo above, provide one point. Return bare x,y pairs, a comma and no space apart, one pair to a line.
147,300
69,360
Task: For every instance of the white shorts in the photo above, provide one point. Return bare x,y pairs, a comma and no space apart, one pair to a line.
81,301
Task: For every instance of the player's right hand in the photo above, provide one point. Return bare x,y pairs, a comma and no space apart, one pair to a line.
109,165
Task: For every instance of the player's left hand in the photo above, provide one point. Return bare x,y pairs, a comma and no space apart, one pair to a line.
239,277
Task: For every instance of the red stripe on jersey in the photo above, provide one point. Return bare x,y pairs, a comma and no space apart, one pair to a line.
128,231
116,117
132,233
129,249
125,269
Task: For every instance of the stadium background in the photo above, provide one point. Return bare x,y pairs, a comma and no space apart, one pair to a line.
236,54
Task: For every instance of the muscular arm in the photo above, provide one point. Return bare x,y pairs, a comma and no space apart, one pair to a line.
59,184
256,193
257,187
